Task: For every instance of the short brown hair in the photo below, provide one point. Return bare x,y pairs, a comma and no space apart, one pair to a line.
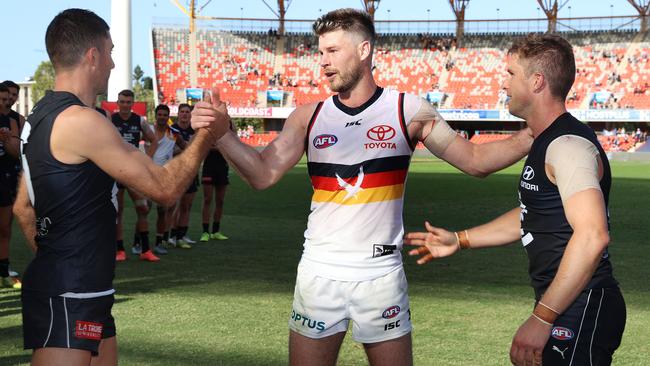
126,93
73,32
550,55
349,20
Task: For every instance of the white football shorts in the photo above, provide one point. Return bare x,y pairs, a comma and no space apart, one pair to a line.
379,308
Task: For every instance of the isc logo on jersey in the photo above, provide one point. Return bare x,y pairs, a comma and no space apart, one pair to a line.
562,333
380,135
325,141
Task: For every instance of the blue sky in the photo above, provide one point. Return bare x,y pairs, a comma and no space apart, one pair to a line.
26,20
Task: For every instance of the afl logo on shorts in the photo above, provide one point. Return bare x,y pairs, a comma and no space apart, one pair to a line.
381,133
562,333
529,173
391,312
325,141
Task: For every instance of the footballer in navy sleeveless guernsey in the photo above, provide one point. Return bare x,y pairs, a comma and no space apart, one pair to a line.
75,211
130,129
590,329
358,161
545,229
67,292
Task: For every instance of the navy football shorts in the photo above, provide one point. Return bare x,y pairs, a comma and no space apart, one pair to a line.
65,322
589,331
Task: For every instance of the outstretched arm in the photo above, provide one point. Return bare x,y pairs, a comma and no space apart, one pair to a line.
429,127
263,169
164,184
440,243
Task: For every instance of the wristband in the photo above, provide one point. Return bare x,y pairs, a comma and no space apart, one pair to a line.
545,313
463,239
541,320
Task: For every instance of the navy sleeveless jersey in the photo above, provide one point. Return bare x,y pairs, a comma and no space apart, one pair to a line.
75,211
186,133
129,129
7,161
545,229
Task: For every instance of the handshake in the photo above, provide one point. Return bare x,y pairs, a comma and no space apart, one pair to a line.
211,115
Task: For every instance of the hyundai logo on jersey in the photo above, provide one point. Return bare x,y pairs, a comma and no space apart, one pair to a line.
529,173
325,141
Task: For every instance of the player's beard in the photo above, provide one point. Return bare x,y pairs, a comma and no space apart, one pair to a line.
347,79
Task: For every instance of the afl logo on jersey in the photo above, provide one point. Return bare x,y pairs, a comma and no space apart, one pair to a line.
562,333
325,141
381,133
529,173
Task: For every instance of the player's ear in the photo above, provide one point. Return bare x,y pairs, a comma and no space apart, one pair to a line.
364,50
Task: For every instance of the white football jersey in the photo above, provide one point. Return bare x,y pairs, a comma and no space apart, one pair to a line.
358,162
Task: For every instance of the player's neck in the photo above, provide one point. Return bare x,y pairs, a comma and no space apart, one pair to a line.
161,128
544,115
74,83
125,115
360,94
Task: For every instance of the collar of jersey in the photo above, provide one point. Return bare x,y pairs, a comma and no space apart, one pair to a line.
356,110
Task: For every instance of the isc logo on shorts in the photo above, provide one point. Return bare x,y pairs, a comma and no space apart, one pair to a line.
305,321
562,333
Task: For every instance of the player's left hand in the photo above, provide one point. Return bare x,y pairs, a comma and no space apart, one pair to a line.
435,243
529,342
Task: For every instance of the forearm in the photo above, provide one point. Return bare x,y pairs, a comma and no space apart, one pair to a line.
27,221
580,260
503,230
247,161
494,156
178,173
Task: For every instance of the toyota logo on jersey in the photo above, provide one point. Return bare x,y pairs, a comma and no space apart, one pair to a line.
529,173
381,133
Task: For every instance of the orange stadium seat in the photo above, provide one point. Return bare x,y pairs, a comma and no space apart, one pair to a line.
243,63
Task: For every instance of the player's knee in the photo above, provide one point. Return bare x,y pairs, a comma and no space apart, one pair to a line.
142,207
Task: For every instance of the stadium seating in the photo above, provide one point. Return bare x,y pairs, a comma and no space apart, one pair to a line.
243,63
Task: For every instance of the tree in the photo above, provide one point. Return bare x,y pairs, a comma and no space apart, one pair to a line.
43,80
142,92
137,73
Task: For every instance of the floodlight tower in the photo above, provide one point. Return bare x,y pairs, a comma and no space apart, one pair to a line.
643,7
281,13
551,9
459,6
371,6
121,33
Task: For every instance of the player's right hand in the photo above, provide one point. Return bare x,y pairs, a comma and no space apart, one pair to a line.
212,115
435,243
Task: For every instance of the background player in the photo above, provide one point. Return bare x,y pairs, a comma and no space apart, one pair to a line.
358,145
133,128
182,214
168,142
9,146
214,178
66,200
562,220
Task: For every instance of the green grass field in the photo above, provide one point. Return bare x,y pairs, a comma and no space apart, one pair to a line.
228,303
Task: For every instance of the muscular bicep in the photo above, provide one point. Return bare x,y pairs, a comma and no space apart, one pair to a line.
96,139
